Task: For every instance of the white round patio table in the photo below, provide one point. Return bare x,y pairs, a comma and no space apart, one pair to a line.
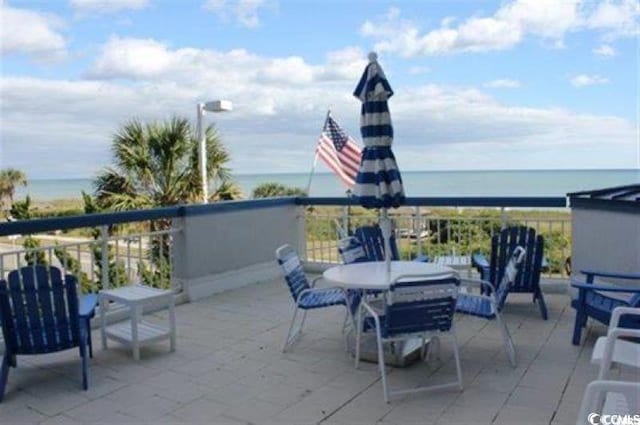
373,274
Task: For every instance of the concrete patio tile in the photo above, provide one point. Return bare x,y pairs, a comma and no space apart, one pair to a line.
60,420
367,407
500,378
546,377
534,398
283,395
200,411
148,409
253,411
131,394
94,410
511,415
233,394
55,402
20,415
316,406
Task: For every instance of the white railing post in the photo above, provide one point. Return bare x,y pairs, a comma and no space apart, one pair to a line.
503,218
104,239
345,218
301,227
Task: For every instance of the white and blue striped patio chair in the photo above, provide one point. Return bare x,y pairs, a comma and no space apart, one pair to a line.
305,295
487,304
416,306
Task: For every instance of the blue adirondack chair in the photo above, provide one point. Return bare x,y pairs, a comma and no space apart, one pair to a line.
305,295
373,244
528,278
40,313
597,300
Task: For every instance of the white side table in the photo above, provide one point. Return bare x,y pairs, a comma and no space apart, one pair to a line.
138,332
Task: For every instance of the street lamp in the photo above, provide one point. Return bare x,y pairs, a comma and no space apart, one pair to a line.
215,106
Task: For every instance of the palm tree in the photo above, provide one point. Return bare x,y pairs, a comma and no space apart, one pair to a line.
9,179
157,165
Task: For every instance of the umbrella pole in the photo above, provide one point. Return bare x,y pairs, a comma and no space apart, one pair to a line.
385,226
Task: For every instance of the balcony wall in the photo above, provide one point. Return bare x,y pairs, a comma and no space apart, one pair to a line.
225,250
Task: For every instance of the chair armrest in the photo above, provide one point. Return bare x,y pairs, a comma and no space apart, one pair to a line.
609,345
609,288
311,290
632,276
87,305
619,311
479,260
479,283
314,281
595,391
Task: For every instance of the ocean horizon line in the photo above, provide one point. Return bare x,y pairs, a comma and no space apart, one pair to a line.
294,173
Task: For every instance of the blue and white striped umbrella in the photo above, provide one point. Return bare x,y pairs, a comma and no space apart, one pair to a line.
378,183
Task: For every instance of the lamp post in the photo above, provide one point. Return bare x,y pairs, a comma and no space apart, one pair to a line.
215,106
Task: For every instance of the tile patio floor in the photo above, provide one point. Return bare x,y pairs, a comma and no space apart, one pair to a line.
228,369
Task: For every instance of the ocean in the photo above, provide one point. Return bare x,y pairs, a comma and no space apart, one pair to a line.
417,183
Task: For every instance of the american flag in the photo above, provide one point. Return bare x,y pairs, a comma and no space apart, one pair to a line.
340,152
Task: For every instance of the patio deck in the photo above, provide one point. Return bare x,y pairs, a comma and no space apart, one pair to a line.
228,368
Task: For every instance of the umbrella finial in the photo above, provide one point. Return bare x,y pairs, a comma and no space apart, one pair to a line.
373,57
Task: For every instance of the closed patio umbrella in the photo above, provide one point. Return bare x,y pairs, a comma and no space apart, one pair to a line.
378,183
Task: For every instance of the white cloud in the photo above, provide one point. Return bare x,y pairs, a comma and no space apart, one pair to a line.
583,80
140,59
549,20
615,18
32,33
503,83
279,106
131,58
244,11
107,6
604,50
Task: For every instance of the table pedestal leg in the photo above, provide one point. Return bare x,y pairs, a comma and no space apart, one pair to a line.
135,343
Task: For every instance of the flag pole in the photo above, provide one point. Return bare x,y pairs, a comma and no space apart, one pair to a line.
349,193
315,158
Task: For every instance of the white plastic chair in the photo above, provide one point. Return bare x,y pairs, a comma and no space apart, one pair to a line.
611,349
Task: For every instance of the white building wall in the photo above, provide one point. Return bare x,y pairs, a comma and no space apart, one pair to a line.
605,240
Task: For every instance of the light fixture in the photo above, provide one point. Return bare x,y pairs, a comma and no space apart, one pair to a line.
214,106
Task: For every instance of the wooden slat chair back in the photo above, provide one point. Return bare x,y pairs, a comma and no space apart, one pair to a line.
39,314
373,243
527,280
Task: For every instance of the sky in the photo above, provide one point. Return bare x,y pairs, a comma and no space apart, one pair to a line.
514,84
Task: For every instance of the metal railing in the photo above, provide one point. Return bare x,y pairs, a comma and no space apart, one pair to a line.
451,228
104,262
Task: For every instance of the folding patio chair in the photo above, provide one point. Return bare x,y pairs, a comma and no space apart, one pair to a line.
487,304
305,295
413,307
